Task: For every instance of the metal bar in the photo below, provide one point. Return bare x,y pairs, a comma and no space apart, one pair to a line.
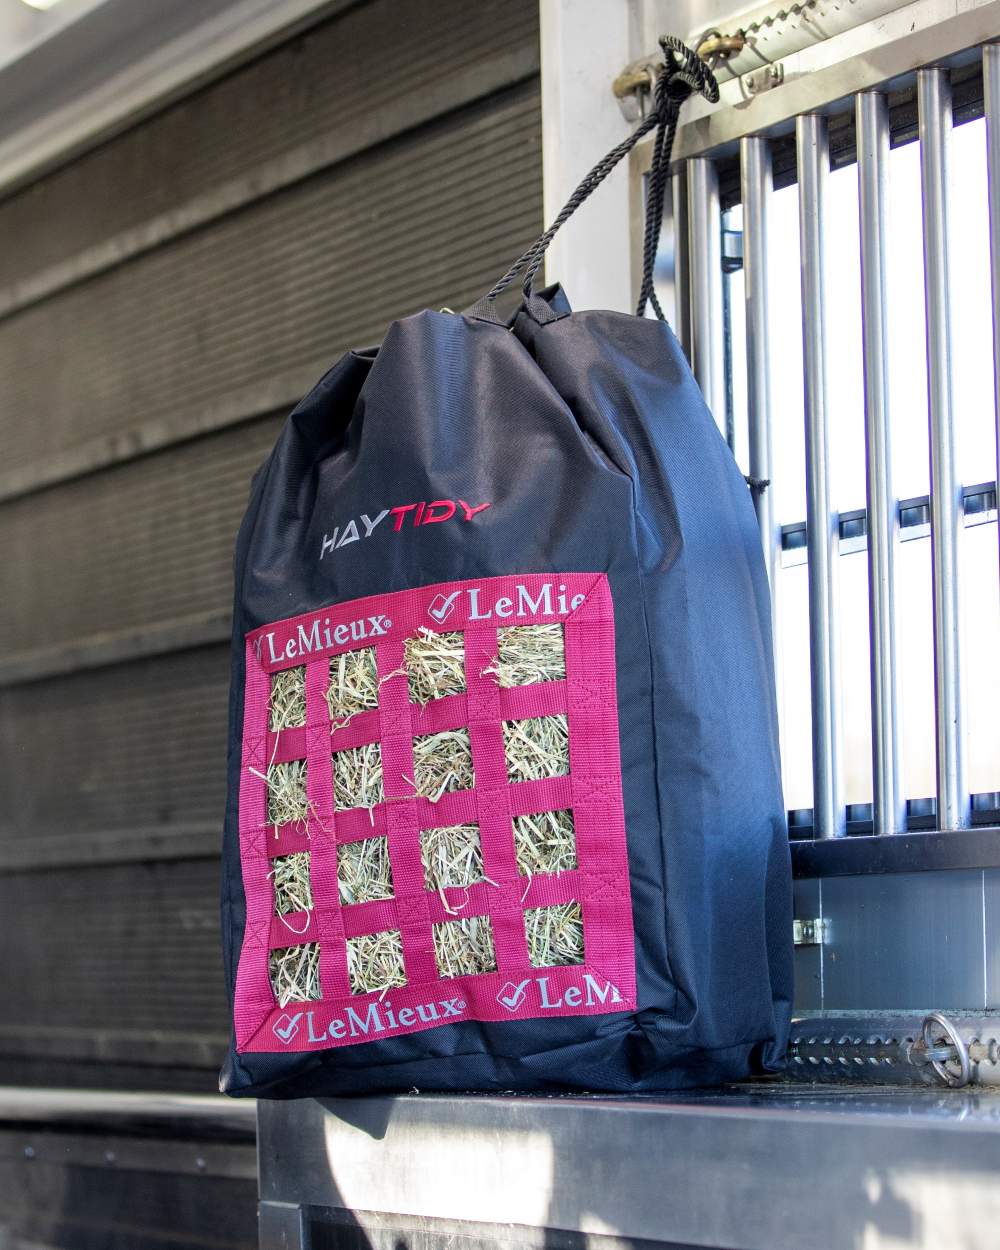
991,99
934,107
705,270
822,530
935,851
872,128
755,188
178,1114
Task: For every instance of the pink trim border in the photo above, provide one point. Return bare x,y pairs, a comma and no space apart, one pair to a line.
605,982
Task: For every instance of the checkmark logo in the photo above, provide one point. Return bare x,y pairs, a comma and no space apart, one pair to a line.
286,1027
512,996
442,606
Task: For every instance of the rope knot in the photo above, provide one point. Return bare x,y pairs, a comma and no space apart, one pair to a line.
682,74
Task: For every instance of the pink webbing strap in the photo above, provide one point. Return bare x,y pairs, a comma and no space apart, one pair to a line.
402,825
496,833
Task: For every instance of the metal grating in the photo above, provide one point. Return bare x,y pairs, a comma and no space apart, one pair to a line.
865,120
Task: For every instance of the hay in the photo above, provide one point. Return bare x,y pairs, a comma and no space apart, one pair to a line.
537,747
529,653
363,870
354,685
555,935
435,664
292,887
287,800
544,842
464,948
295,973
442,762
452,856
357,776
375,962
288,698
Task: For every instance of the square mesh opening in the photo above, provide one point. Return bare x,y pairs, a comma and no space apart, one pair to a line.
375,962
287,704
442,762
537,747
545,842
287,799
435,664
555,935
452,856
464,948
292,887
353,685
357,776
295,973
530,653
363,870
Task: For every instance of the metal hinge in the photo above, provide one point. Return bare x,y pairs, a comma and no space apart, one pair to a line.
809,932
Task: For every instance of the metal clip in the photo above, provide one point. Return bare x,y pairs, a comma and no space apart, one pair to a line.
634,87
939,1051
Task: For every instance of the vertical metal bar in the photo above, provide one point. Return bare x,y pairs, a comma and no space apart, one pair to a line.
755,191
705,275
934,108
991,95
682,248
872,128
822,530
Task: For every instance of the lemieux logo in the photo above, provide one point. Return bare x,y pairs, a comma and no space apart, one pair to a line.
538,993
549,600
404,516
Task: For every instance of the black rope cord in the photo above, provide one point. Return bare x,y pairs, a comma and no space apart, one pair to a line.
682,74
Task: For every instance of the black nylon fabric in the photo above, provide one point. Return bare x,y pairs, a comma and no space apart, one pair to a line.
589,437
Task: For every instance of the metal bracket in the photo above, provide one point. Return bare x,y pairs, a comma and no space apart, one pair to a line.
809,932
763,79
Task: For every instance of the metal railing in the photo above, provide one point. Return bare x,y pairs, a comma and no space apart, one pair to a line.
708,144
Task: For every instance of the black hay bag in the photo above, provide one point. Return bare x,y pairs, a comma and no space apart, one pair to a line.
504,806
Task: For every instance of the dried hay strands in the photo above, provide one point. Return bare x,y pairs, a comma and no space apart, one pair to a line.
537,747
357,776
287,799
292,887
452,856
375,962
354,685
442,762
363,870
545,842
288,698
435,664
464,948
295,973
529,653
555,935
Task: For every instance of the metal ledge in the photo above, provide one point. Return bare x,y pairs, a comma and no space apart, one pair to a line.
897,852
152,1114
770,1168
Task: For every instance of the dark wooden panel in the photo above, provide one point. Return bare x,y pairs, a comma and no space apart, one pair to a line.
293,280
128,748
146,542
117,950
345,74
69,1207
